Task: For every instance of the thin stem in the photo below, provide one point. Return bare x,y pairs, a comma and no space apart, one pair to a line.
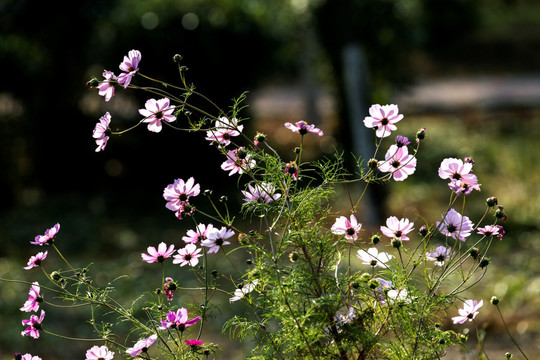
509,334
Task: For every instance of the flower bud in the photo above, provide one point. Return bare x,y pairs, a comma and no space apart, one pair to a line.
420,134
396,243
508,355
423,231
243,239
92,83
260,137
224,198
491,201
494,300
374,283
249,261
55,276
499,213
293,256
474,252
17,356
177,58
375,239
214,273
372,163
484,262
296,150
365,277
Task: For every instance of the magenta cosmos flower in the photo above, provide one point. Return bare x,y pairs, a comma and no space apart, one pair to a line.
398,162
455,225
197,235
373,257
348,227
101,130
142,345
47,237
189,254
238,161
469,311
397,229
106,87
178,193
291,169
99,353
36,260
19,356
178,320
302,128
383,119
492,230
263,192
440,256
129,66
157,111
462,181
33,325
217,238
193,343
158,255
34,298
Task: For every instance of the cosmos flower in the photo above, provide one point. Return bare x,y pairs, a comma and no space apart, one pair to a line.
178,320
129,66
189,254
99,353
34,298
468,312
142,345
302,128
373,257
33,325
383,119
197,235
47,237
100,131
243,291
455,225
155,112
217,238
440,256
397,229
106,87
158,255
398,162
348,227
264,192
36,260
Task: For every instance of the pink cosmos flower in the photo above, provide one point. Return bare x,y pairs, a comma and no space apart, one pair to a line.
158,255
238,161
383,118
243,291
397,229
99,353
34,325
302,128
264,192
217,238
373,257
100,131
398,162
168,288
47,237
291,169
26,357
193,343
452,168
32,304
199,234
178,320
129,66
189,254
178,193
106,87
440,255
156,111
402,141
142,345
224,129
349,228
36,260
464,186
455,225
469,311
491,230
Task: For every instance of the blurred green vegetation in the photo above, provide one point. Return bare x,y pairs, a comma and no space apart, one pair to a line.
110,205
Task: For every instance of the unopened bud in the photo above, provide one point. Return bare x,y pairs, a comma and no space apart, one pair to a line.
374,283
372,163
421,134
92,83
293,256
296,150
177,58
494,300
491,201
396,243
375,239
508,355
423,231
484,262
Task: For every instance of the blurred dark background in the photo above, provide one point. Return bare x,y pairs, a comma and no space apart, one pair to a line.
322,61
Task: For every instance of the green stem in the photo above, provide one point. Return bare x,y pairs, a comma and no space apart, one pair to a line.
508,332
